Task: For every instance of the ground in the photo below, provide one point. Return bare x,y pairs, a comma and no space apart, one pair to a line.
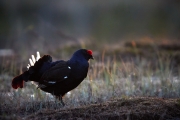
137,108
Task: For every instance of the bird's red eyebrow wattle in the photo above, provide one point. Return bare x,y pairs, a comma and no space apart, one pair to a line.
89,52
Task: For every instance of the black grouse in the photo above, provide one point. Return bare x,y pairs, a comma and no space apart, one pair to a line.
58,77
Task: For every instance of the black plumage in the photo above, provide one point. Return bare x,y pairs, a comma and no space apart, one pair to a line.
58,77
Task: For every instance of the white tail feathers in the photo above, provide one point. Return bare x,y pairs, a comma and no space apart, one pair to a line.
38,56
28,66
33,60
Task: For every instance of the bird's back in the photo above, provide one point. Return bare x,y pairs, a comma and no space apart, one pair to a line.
40,67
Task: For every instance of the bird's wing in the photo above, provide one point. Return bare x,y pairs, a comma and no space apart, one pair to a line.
57,73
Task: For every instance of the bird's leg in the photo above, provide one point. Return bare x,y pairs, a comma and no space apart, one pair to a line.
61,100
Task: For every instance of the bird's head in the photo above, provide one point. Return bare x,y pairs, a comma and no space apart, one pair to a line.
87,54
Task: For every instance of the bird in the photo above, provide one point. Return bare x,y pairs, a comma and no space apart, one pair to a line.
57,77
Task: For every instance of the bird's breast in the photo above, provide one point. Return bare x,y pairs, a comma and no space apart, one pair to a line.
79,70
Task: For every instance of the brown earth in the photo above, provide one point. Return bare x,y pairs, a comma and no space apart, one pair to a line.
124,109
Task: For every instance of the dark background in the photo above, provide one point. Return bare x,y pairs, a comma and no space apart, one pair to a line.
32,24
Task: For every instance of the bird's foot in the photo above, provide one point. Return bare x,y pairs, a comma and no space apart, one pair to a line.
61,100
63,104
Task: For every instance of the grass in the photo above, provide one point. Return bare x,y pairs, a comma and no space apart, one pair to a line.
113,88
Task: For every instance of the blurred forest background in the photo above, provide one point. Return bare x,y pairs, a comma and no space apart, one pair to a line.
41,25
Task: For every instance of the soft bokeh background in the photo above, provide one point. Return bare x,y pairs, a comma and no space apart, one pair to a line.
41,25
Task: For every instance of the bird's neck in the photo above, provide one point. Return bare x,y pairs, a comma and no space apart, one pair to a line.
78,62
79,68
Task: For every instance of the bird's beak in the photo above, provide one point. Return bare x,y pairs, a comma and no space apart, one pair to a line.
92,57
